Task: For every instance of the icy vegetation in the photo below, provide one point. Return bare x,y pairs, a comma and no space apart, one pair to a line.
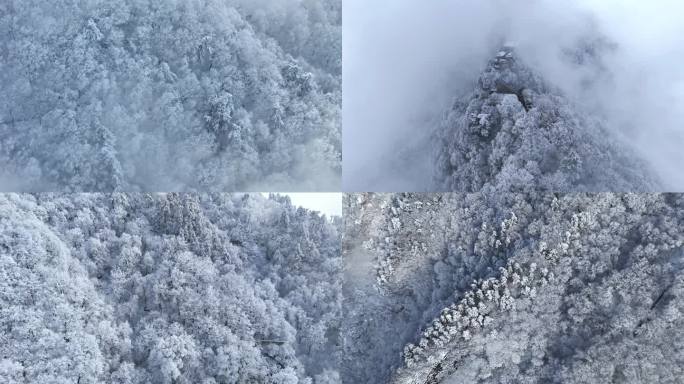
516,133
173,288
560,96
513,288
216,95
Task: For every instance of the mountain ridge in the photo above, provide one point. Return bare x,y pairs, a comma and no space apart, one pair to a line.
517,132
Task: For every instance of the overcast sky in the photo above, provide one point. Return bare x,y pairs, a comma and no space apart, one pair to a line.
406,60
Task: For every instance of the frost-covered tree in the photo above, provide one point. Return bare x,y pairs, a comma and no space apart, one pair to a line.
167,288
220,95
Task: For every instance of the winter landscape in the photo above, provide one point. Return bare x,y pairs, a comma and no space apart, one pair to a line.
167,288
218,95
181,204
513,288
407,288
572,96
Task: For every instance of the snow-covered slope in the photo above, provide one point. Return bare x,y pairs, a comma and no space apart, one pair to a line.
516,132
515,288
217,95
131,288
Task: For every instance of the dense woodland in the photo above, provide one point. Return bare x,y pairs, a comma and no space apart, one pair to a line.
172,288
513,288
147,95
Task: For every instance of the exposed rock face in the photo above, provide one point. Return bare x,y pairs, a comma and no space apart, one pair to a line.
516,132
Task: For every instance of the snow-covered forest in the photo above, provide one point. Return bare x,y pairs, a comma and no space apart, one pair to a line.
517,133
167,288
181,204
569,96
406,288
513,288
217,95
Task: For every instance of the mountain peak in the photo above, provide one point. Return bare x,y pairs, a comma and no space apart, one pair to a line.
515,132
505,55
505,73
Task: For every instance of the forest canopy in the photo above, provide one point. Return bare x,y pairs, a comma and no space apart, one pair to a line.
168,288
218,95
513,288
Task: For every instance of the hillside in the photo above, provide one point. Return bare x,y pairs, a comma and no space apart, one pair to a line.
502,288
219,95
132,288
517,132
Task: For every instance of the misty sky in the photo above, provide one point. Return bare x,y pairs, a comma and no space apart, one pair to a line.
406,60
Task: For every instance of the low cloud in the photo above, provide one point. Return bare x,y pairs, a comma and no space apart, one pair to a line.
405,61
